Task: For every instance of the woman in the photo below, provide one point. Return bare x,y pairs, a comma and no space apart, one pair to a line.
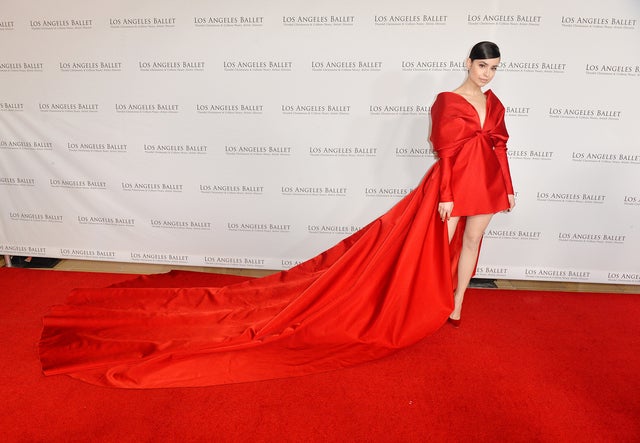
470,138
385,287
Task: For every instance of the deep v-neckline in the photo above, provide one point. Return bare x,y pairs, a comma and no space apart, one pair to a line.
486,107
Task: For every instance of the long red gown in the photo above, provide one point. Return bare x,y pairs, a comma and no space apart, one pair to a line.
381,289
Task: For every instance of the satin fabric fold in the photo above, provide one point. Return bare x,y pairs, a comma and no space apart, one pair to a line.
385,287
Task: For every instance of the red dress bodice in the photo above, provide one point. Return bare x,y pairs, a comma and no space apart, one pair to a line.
475,169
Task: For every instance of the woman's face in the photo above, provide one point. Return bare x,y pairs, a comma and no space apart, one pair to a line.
482,71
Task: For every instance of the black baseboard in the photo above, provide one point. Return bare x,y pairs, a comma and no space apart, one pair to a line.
33,262
482,283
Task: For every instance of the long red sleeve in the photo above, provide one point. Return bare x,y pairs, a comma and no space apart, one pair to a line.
445,129
446,193
499,137
501,154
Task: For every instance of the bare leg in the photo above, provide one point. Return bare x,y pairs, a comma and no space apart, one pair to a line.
473,232
452,223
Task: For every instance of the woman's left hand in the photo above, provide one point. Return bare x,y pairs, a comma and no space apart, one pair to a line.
512,202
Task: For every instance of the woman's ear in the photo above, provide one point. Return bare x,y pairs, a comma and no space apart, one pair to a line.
468,63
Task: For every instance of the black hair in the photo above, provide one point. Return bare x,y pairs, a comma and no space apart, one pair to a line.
484,50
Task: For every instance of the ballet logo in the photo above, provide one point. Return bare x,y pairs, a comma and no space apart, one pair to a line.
151,187
151,257
491,271
106,221
223,261
612,70
414,152
512,234
631,200
230,109
591,237
142,22
11,107
77,184
605,157
342,151
624,277
556,274
504,20
17,181
88,254
23,250
147,108
258,65
257,227
599,22
433,65
533,67
171,65
27,145
97,147
228,21
346,66
567,197
410,20
36,217
315,109
197,225
332,229
386,192
22,67
64,24
386,109
319,20
258,150
288,263
319,191
529,154
517,111
175,149
69,107
90,66
6,25
235,262
227,189
585,114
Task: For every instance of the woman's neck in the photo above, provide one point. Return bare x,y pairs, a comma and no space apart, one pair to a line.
470,89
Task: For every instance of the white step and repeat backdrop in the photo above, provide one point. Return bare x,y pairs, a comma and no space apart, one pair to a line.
256,134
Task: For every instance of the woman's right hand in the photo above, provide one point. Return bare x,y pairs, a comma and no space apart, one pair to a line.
444,209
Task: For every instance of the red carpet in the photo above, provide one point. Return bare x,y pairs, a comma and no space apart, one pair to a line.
524,366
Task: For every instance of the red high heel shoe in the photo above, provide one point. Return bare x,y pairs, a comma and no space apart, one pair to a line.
455,323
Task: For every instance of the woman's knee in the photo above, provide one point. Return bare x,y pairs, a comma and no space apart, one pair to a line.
474,230
472,240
